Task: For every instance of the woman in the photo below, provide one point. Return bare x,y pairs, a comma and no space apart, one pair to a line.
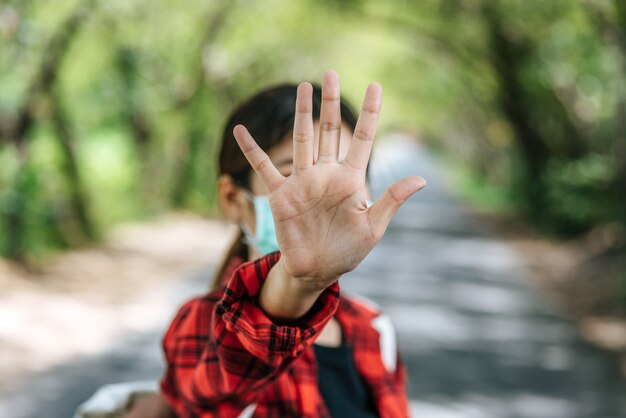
275,338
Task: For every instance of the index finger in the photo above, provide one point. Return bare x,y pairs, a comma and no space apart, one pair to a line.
258,159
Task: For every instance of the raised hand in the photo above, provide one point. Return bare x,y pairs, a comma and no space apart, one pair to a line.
323,226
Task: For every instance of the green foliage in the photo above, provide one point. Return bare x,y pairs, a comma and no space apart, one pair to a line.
527,98
578,193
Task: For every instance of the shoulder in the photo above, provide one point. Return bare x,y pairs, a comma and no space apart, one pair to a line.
360,312
359,307
199,303
194,315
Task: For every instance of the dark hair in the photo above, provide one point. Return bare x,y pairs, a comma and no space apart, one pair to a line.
268,116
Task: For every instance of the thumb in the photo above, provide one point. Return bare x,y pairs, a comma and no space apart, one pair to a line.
386,207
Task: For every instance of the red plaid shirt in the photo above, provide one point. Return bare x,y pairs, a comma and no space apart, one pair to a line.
226,358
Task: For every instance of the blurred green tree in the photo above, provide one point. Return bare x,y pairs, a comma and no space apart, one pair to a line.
113,110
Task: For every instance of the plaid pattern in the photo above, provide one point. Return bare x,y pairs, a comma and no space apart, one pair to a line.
224,354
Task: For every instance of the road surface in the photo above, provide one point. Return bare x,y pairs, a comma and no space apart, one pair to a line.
478,339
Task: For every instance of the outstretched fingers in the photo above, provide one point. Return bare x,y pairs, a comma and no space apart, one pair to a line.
365,131
303,128
258,159
330,118
386,207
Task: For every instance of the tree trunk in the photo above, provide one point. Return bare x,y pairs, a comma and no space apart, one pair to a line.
15,217
20,129
69,167
195,131
506,59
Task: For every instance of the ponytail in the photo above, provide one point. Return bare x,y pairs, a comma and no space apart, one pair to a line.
237,249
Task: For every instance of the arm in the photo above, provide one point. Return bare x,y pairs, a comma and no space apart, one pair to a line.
223,348
323,225
273,308
284,297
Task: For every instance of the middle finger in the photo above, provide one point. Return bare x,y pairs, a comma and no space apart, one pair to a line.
330,118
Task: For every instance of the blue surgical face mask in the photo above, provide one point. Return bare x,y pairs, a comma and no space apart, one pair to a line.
264,239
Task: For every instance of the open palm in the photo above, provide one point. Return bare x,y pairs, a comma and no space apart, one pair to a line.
323,225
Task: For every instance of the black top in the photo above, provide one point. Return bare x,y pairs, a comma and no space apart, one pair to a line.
344,391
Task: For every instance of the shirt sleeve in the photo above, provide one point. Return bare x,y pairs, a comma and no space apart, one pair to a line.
222,350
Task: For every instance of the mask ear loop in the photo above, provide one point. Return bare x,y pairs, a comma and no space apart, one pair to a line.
248,236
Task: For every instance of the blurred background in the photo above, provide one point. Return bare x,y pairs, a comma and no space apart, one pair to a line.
514,111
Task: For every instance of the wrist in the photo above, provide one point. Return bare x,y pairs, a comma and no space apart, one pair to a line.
285,297
306,283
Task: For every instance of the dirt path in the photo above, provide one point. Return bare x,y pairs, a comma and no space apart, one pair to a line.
479,340
85,302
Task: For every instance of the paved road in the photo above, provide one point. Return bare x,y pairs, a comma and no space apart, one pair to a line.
478,340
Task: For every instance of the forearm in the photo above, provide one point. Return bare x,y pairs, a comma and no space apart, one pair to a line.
286,298
222,352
